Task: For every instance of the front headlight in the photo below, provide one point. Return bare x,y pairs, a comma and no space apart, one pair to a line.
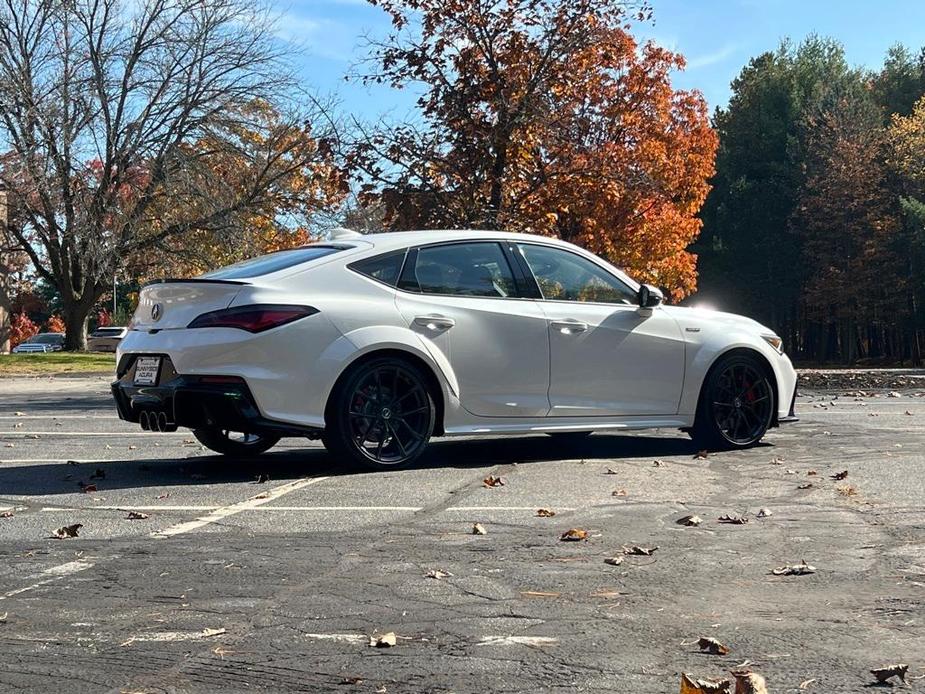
775,342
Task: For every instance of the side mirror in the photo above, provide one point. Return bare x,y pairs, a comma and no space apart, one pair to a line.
649,296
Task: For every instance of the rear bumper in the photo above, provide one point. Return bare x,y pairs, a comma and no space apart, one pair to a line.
197,403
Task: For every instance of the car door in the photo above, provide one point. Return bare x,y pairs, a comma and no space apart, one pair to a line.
465,300
607,356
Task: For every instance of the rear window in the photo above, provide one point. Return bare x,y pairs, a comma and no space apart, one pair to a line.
274,262
384,268
107,332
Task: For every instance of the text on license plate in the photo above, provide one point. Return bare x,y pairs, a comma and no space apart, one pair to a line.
146,369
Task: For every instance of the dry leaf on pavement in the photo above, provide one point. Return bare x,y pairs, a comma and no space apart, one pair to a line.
887,671
765,513
750,683
351,680
611,471
636,550
618,492
847,490
492,481
136,515
838,476
383,641
702,455
574,535
614,561
691,686
805,485
733,520
690,521
6,514
206,633
805,683
711,646
437,573
67,531
545,513
794,570
659,463
478,529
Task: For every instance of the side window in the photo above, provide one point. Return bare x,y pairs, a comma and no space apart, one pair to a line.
384,268
565,276
461,269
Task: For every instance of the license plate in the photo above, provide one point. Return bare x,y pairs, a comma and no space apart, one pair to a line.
146,369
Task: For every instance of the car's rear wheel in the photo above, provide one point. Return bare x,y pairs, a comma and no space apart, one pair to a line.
736,404
381,416
235,443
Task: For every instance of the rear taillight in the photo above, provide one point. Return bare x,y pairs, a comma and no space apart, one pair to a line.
254,318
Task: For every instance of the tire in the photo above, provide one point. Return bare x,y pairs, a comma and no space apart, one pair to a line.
235,444
381,416
736,405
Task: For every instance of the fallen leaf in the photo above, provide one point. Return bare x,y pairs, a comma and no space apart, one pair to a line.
659,463
437,573
750,683
790,472
887,671
777,461
690,521
164,496
691,686
19,414
3,617
847,490
6,514
636,550
614,561
805,485
702,455
545,513
838,476
18,425
611,471
893,394
733,520
32,436
478,529
136,515
261,496
712,646
794,570
262,478
88,488
384,641
206,633
765,513
805,683
67,531
351,680
492,481
99,474
221,651
618,492
132,448
908,413
812,472
10,445
574,535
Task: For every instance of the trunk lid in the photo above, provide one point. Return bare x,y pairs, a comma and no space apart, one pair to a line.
173,304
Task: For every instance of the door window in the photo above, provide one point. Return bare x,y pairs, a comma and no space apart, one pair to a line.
461,269
384,268
565,276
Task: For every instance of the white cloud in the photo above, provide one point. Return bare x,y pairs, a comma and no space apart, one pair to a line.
695,62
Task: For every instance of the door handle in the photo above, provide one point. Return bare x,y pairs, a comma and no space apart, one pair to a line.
434,322
569,326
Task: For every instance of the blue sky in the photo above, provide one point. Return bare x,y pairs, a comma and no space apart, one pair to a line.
717,37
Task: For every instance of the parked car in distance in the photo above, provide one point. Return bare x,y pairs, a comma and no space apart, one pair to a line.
105,339
377,343
40,344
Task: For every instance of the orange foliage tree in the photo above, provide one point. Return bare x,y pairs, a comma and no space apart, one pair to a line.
21,328
55,324
545,117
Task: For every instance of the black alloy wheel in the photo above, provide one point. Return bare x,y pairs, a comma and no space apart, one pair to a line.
383,415
736,405
235,443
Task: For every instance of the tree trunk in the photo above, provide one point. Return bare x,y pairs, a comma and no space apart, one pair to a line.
75,317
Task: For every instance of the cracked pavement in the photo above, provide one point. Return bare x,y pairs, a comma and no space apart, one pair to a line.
229,585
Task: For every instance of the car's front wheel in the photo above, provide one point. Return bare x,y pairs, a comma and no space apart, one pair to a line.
381,416
736,404
233,443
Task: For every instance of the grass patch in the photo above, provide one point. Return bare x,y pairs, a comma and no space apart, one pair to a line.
55,363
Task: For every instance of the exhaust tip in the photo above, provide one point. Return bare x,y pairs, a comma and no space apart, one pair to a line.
144,421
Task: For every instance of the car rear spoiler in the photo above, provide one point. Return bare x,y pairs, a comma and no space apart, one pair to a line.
195,280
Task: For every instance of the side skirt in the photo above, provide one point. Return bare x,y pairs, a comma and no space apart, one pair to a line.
541,426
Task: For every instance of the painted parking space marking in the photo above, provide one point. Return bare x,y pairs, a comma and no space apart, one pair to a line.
55,573
220,514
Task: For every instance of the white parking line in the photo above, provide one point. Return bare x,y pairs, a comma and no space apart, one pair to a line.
57,416
226,511
133,432
55,573
517,641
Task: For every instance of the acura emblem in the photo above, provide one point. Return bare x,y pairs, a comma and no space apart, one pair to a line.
156,312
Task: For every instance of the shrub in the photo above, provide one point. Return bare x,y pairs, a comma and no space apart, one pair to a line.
21,328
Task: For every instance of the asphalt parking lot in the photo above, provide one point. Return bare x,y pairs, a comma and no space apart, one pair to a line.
230,584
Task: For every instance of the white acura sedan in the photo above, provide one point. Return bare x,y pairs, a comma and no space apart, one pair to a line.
375,343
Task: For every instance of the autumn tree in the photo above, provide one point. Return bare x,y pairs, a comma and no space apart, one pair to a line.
102,103
546,117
